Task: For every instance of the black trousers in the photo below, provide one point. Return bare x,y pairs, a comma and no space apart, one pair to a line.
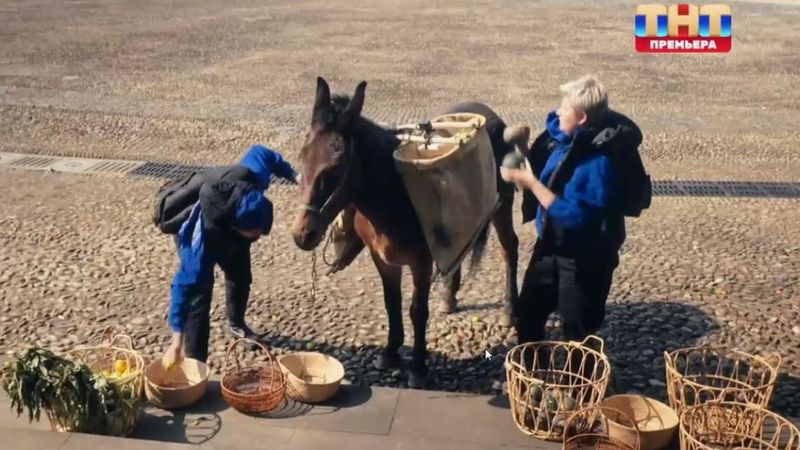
232,254
575,287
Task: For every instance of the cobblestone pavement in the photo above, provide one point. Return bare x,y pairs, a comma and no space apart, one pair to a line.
198,82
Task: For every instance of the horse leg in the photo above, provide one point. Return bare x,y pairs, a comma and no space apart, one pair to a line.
450,299
391,276
503,222
421,273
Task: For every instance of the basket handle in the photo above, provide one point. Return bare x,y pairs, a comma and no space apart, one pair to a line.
233,347
775,357
107,339
596,339
599,411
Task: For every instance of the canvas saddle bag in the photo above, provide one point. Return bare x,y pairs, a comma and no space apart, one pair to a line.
447,166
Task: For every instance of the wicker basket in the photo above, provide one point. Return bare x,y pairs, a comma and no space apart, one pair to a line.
179,387
312,377
657,422
255,388
549,380
736,425
123,419
591,429
697,375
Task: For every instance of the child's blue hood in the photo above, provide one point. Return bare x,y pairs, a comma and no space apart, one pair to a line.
265,163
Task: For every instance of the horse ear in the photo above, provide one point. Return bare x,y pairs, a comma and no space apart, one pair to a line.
323,98
353,110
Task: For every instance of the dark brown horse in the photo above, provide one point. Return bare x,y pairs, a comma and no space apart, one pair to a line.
346,161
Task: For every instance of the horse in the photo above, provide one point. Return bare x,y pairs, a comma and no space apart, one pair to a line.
346,161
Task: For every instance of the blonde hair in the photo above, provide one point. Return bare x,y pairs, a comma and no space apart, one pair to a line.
588,95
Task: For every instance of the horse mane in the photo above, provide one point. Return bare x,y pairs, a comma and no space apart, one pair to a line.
340,102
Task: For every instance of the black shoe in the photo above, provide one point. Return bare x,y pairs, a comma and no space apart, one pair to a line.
242,331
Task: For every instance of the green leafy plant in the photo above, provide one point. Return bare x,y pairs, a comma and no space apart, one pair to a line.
79,400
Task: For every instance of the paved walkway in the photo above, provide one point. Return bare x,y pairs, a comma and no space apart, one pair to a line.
359,417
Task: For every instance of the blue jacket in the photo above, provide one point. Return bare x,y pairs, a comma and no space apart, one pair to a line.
589,190
248,210
584,221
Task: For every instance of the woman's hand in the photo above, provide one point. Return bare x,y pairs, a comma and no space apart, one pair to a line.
523,178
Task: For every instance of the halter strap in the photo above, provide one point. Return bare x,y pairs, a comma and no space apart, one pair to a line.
319,211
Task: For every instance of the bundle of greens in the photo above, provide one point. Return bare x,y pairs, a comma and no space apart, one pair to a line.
79,400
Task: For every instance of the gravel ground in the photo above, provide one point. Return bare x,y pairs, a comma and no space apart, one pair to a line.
200,81
692,271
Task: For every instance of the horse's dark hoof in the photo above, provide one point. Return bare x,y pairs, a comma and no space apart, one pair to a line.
384,361
417,380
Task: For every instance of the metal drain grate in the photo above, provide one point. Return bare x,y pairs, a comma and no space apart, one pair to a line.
66,164
32,162
115,167
168,171
726,189
158,170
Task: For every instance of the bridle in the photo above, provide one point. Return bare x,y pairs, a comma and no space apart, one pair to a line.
323,212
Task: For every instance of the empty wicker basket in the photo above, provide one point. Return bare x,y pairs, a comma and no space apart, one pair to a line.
550,380
311,377
657,422
736,425
697,375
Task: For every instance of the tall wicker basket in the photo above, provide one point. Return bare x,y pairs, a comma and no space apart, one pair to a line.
126,409
550,380
733,425
697,375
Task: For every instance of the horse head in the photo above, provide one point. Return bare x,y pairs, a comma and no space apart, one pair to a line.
329,165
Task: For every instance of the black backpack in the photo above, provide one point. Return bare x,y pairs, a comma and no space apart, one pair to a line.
175,198
620,141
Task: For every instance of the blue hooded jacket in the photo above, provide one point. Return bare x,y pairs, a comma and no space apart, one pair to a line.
588,192
253,211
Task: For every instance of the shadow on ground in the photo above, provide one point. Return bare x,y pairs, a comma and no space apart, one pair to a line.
193,425
636,334
786,397
201,422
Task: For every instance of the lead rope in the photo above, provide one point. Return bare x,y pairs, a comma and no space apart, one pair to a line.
328,240
314,276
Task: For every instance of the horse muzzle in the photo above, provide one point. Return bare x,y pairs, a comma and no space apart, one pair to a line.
308,231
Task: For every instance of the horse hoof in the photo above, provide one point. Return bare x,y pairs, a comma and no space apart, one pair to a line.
383,362
449,307
417,381
506,319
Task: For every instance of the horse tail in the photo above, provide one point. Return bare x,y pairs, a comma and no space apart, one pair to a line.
479,247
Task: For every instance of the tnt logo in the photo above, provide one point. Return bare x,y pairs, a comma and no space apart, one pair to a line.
683,28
